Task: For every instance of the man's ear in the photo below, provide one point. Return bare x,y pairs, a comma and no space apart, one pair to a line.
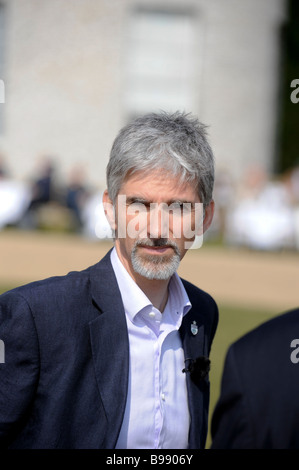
209,214
109,209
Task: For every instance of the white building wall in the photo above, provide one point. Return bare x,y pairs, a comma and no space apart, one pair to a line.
66,79
62,83
241,80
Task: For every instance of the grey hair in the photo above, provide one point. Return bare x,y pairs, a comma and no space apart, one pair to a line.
175,142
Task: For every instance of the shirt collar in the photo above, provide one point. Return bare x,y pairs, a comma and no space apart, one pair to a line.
135,300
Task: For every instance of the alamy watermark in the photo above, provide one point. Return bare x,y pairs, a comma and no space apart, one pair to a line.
139,220
2,92
2,352
295,93
295,353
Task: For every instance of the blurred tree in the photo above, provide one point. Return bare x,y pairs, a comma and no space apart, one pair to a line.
288,123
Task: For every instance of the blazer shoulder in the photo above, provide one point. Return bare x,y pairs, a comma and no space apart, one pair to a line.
56,283
73,282
198,295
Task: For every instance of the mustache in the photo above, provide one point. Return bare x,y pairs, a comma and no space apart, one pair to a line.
155,242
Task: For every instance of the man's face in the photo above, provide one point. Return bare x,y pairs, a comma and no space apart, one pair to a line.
156,217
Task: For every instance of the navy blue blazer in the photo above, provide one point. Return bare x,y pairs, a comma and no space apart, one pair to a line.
258,406
65,377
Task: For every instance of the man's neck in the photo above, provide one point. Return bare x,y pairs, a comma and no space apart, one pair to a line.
156,290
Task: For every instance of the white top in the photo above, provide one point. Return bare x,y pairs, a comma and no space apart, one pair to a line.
157,414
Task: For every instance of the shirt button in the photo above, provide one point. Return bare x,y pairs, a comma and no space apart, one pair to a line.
163,396
152,314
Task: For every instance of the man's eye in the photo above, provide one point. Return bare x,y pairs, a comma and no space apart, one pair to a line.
181,207
187,207
177,206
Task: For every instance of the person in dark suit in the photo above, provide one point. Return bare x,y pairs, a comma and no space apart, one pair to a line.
258,405
117,356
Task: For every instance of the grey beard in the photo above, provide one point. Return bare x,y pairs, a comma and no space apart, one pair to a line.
155,267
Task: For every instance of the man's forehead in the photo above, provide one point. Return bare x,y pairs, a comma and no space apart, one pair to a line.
159,182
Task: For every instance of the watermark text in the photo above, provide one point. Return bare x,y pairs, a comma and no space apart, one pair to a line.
295,93
2,352
138,220
295,353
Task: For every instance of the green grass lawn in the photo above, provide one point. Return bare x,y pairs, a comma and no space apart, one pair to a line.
233,323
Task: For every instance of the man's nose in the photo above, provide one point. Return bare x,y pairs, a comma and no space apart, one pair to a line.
158,222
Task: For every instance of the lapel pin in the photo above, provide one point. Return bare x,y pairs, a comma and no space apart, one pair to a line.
194,328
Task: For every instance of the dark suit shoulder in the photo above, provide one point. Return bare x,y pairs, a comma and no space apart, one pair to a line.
258,403
73,279
57,283
263,355
55,300
198,294
274,331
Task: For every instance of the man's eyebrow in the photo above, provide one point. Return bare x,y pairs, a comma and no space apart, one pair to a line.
132,199
140,199
180,201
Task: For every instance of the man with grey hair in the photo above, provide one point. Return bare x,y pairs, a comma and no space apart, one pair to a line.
116,356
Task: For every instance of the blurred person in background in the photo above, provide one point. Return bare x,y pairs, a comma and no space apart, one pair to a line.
41,193
117,356
258,405
291,181
76,196
14,197
261,217
42,186
3,169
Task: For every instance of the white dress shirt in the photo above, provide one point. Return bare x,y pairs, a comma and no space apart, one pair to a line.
156,414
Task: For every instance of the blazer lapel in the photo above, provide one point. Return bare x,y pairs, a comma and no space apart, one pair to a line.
193,345
110,346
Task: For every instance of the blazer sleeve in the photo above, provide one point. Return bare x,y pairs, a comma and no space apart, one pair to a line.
20,368
231,427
